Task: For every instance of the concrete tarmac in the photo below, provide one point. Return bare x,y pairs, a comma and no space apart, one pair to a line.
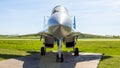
84,60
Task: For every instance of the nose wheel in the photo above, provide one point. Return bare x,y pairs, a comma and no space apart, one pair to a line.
43,51
76,52
59,58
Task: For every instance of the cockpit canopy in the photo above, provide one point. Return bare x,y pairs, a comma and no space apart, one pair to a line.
59,8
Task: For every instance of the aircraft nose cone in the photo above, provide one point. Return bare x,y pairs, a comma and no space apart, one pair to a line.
59,25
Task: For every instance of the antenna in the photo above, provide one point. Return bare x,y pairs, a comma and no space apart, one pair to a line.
74,24
44,22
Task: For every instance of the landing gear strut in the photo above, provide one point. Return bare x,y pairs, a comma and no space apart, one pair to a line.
59,56
43,51
76,52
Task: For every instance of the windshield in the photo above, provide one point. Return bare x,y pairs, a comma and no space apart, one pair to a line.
59,9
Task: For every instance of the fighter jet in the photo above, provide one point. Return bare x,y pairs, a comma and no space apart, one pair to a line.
60,28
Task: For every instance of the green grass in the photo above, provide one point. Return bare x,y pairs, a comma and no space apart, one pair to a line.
20,44
18,48
110,49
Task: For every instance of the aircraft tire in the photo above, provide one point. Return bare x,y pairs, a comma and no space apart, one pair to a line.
76,52
43,51
59,59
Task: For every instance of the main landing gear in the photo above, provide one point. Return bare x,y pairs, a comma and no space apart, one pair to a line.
43,51
59,56
76,52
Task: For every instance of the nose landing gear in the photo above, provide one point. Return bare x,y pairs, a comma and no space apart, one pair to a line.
59,58
43,51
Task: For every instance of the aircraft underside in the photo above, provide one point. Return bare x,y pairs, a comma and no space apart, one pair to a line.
69,42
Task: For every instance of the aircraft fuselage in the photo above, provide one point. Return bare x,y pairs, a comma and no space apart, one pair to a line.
60,23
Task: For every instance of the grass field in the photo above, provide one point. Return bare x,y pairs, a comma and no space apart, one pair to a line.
110,49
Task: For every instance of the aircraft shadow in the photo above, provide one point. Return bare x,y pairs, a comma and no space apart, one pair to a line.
49,60
35,60
8,56
70,61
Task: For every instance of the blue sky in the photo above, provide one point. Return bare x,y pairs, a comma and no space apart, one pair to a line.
101,17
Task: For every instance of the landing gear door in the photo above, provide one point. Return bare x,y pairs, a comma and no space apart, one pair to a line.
49,41
70,41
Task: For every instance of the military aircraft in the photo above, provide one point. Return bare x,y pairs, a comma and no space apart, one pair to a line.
60,28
